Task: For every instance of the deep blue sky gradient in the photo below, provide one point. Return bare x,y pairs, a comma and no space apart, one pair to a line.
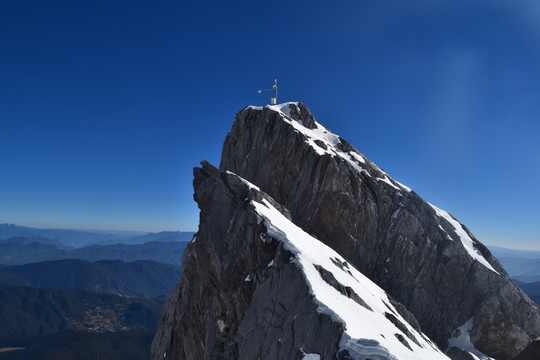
106,106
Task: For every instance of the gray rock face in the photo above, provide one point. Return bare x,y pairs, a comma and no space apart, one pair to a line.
229,303
420,255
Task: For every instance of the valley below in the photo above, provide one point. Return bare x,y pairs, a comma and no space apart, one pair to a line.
99,301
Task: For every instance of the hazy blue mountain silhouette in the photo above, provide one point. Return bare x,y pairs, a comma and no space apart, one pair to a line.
80,238
139,279
23,250
521,265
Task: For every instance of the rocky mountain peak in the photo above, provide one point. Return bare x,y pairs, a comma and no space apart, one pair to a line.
249,280
418,253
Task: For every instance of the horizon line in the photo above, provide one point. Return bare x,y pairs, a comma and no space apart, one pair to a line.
83,228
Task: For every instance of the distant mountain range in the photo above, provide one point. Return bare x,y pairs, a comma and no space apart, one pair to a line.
521,265
24,250
141,278
501,252
80,238
524,270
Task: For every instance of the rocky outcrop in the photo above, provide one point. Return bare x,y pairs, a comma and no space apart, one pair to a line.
229,304
251,289
418,253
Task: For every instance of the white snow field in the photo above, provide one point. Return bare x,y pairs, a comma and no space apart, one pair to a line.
466,240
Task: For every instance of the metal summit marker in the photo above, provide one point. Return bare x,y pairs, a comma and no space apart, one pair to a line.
273,101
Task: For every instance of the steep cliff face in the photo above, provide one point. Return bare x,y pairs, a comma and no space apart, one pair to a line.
256,286
418,253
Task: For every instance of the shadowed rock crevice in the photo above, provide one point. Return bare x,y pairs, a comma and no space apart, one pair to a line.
300,112
403,341
329,278
401,327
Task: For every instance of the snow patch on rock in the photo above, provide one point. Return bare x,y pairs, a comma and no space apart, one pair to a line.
369,332
461,338
466,240
321,135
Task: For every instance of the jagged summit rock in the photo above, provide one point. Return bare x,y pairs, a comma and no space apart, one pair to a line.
256,286
418,253
308,250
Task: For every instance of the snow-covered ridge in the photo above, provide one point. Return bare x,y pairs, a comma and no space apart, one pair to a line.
248,184
466,240
321,135
374,327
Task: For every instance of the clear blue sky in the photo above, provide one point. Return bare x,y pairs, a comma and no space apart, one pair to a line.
106,106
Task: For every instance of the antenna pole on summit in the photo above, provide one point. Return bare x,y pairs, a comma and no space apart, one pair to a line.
273,101
275,92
